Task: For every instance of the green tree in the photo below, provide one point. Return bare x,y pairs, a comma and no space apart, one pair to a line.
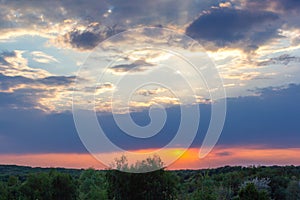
63,187
250,192
206,189
278,187
13,187
36,186
224,193
3,191
293,190
92,185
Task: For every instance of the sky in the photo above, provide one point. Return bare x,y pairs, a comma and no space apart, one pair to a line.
119,60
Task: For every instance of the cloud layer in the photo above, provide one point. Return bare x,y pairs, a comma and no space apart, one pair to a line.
267,120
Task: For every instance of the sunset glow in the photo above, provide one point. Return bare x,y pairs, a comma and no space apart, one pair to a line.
241,156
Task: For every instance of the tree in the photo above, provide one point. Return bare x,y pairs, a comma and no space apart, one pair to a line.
3,191
13,187
92,185
36,187
250,192
293,190
155,185
63,187
206,188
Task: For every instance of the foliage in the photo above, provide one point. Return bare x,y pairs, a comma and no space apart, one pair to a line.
36,187
63,187
158,185
293,190
92,185
251,192
225,183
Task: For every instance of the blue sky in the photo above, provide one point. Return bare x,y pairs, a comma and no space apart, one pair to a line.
254,45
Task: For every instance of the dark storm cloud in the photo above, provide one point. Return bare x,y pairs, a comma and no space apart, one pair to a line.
228,26
270,119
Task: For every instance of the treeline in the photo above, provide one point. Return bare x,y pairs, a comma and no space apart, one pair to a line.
243,183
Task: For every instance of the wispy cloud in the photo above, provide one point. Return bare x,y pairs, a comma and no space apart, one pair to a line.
284,59
42,57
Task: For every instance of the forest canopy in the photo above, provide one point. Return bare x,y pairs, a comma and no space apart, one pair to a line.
239,183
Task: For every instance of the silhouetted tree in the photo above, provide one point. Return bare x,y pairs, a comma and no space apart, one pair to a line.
155,185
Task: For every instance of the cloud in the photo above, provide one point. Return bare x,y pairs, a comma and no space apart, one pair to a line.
12,63
150,92
275,5
86,37
225,5
287,9
235,27
136,66
42,57
105,87
74,24
24,99
34,131
83,39
283,59
49,19
243,76
31,88
224,153
4,55
24,93
165,101
268,119
56,80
